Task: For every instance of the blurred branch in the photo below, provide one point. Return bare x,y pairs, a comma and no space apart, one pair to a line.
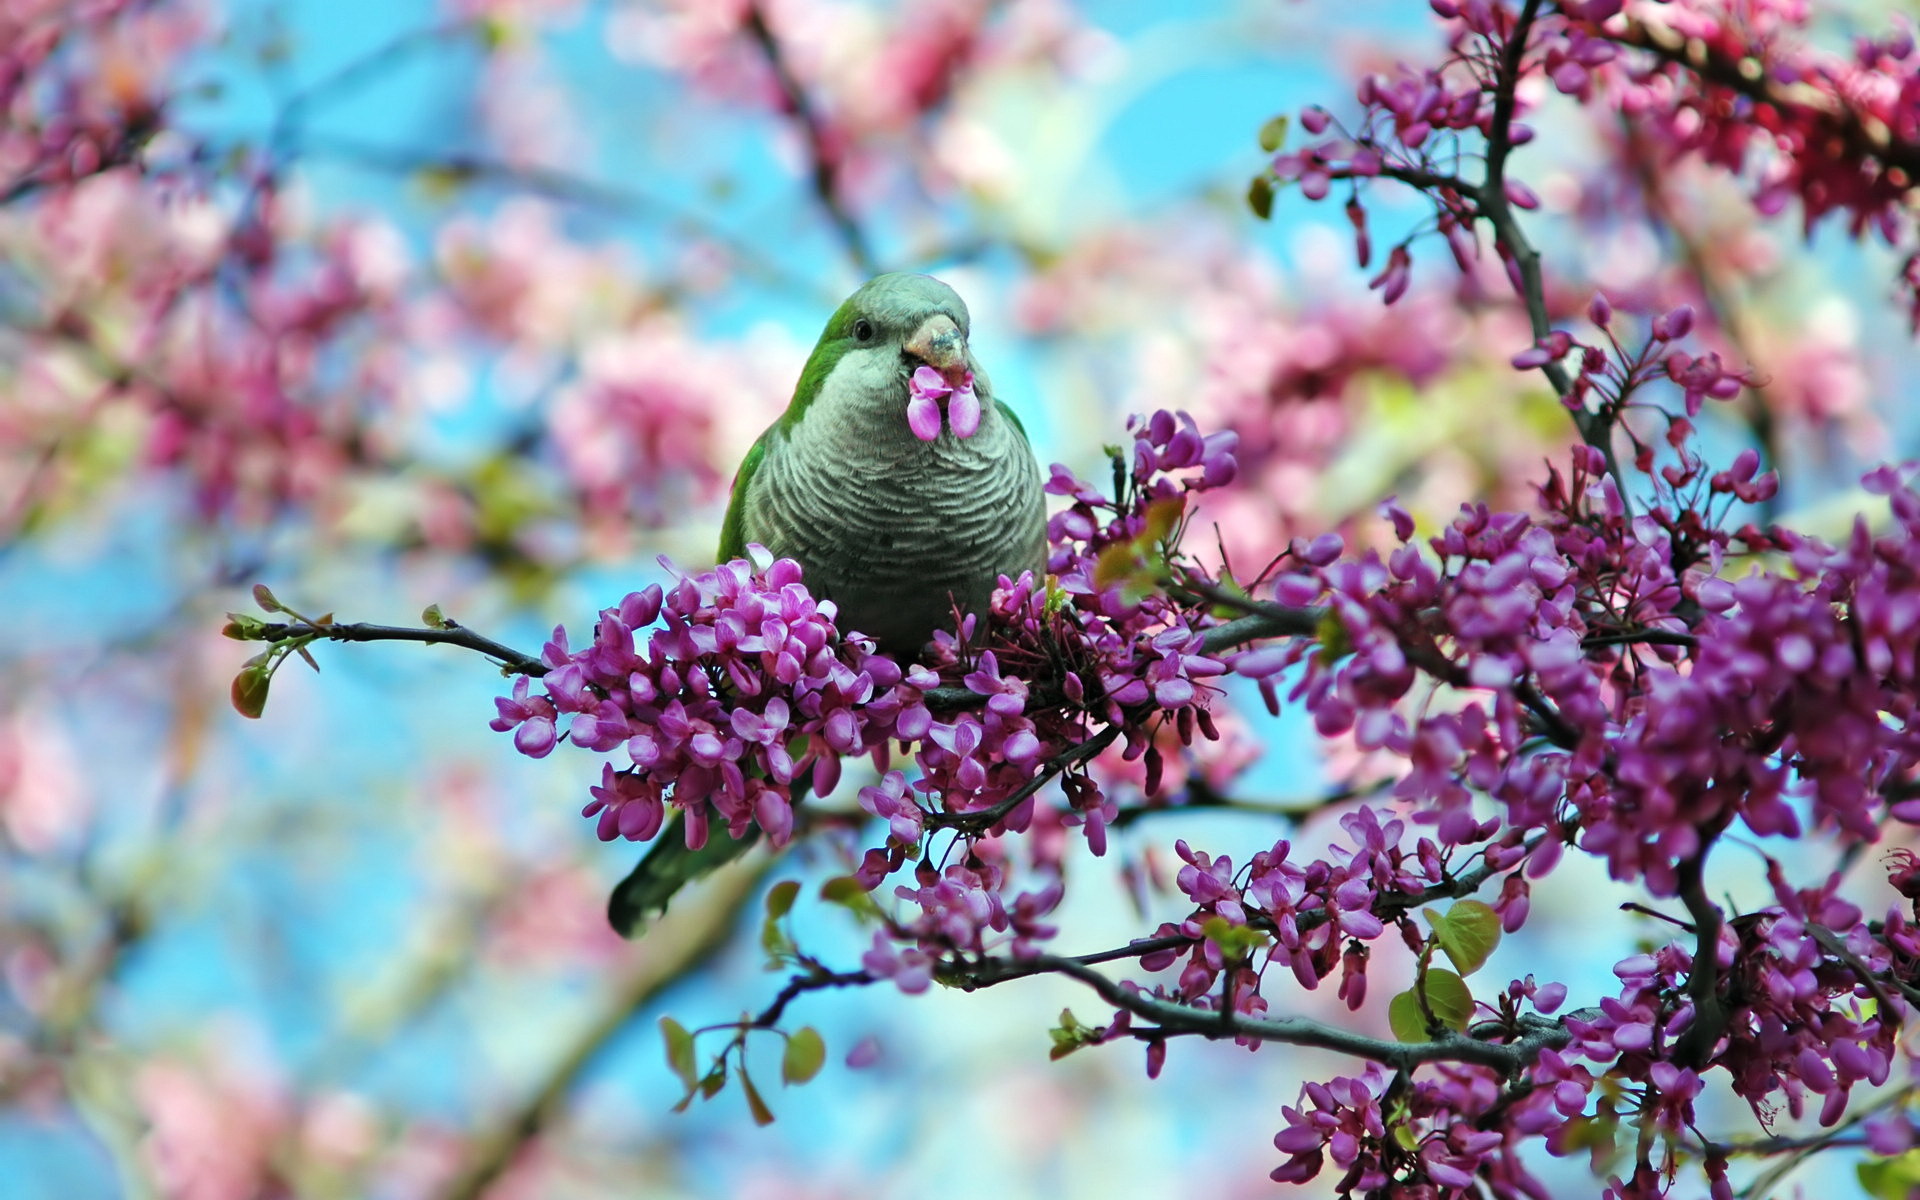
622,201
1799,1149
1695,1045
1595,428
1718,298
1749,77
683,941
825,172
1200,795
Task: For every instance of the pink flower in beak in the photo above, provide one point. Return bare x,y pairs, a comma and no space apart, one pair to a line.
928,388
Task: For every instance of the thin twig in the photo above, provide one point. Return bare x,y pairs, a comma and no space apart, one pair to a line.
1173,1019
511,661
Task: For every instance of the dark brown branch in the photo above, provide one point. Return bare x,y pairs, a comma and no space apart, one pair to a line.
986,818
511,661
1173,1019
801,984
1695,1045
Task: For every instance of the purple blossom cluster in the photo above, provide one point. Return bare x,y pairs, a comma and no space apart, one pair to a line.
1807,1019
962,912
747,685
1406,1140
1743,88
1316,915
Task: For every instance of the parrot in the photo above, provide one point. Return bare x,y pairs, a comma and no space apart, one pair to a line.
898,481
892,513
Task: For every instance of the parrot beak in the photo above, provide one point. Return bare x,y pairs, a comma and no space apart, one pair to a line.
939,343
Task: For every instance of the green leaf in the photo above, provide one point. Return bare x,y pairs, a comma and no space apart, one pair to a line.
1468,932
433,618
1235,941
1331,633
1260,197
242,627
778,946
680,1052
1447,998
762,1115
1895,1178
774,939
265,599
780,898
1273,134
806,1051
249,692
1070,1035
847,892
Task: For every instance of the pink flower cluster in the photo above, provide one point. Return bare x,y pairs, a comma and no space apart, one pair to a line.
1736,86
745,686
749,684
962,911
935,401
83,86
1807,1017
1317,914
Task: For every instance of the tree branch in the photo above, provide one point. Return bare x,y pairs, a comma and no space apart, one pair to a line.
511,661
682,942
1174,1019
1695,1045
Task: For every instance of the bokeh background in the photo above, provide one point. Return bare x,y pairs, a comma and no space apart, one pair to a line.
476,303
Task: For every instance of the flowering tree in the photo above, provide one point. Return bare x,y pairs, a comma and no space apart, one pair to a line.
1609,644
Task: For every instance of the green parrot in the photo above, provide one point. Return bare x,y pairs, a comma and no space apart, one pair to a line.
894,513
897,481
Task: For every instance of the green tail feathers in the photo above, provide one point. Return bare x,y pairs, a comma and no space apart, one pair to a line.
664,869
668,866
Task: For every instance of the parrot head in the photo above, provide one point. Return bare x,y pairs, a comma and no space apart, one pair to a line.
897,346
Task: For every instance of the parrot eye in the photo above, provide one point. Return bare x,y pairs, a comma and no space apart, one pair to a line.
863,330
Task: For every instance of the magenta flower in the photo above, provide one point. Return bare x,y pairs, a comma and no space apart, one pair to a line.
926,389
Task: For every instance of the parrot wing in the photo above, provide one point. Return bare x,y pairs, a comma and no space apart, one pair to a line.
733,539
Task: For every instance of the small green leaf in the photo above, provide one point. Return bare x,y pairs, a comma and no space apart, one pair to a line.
433,618
243,628
1260,197
680,1052
1405,1019
780,898
249,691
1447,998
1273,134
776,943
1331,633
714,1081
265,599
806,1051
1235,941
1467,933
1895,1178
1070,1035
847,892
762,1115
